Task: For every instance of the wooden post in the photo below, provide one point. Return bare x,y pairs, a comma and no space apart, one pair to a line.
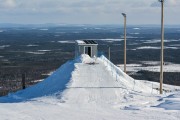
109,53
162,46
23,81
124,41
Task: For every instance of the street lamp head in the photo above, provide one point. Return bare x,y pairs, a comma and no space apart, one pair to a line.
124,14
161,0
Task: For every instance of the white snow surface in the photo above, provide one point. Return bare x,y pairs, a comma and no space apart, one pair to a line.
44,50
90,89
66,41
151,47
152,66
31,45
36,53
4,46
80,42
171,102
136,28
158,41
44,29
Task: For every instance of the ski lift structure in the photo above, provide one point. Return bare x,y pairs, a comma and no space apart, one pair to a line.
89,47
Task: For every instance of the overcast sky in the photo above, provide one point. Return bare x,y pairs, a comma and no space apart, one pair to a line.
88,11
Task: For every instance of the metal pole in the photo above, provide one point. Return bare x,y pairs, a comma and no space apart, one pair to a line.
23,81
124,41
162,46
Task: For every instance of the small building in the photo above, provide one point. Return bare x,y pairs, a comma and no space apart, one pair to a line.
88,47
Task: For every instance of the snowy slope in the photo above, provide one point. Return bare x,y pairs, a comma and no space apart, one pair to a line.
53,84
90,89
101,83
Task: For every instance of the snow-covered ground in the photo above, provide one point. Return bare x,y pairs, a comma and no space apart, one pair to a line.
31,45
90,89
151,47
152,66
36,53
158,41
4,46
66,41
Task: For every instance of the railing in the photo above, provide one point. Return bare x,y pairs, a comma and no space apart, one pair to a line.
135,85
117,73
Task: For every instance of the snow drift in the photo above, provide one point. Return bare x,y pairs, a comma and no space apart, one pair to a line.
171,102
67,74
90,89
53,84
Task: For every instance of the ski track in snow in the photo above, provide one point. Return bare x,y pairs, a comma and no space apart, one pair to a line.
95,90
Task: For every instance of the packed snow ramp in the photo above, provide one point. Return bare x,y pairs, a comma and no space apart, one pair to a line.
84,79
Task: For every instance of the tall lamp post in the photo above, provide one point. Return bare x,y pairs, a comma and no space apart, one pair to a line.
124,15
162,45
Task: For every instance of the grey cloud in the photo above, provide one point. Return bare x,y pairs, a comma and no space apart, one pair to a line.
83,11
7,4
155,4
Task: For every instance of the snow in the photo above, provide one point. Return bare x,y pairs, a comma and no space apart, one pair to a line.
130,37
109,39
136,28
90,89
5,60
44,29
158,41
31,45
4,46
36,81
66,41
135,33
150,47
152,66
49,73
105,39
44,50
80,42
171,102
175,45
54,83
36,53
98,28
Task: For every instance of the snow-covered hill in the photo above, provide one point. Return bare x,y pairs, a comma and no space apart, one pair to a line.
90,89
